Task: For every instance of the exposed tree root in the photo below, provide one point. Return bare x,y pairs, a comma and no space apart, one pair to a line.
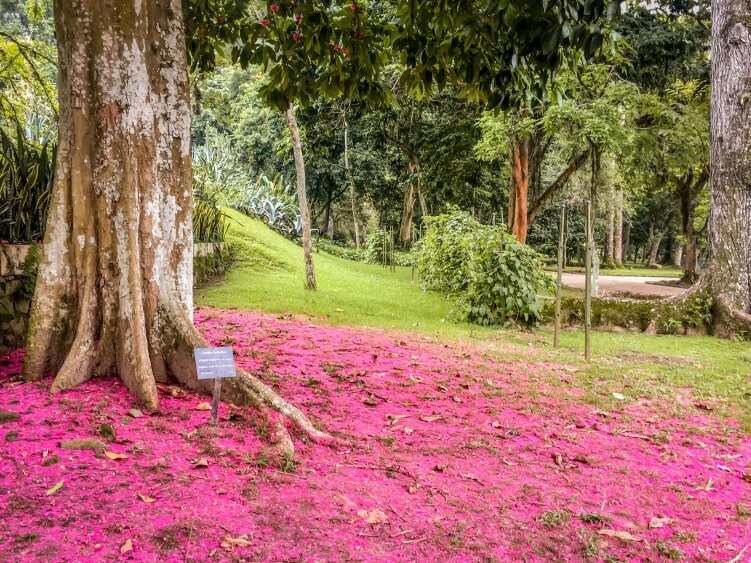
179,339
727,321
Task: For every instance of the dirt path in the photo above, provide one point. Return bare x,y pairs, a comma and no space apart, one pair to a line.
640,285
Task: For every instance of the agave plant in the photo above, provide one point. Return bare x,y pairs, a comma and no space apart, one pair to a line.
26,174
269,199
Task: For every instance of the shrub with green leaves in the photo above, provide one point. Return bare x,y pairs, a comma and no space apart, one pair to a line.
493,277
26,172
374,250
209,223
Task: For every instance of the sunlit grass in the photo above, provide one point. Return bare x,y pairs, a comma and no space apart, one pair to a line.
268,276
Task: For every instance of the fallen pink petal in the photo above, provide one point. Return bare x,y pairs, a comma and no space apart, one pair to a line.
376,493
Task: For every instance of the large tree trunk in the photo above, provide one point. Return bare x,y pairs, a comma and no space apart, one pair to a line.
730,150
302,198
114,290
520,179
618,235
410,195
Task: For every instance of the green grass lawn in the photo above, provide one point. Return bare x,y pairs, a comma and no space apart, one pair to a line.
268,276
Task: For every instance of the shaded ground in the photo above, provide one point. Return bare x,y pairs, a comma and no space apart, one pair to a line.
444,454
638,285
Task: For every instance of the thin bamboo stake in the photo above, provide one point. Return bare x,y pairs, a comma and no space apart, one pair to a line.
588,285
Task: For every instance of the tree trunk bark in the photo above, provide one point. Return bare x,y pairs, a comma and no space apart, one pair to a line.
520,177
410,195
610,242
618,252
421,199
351,181
114,289
302,197
654,247
688,191
676,257
730,132
557,185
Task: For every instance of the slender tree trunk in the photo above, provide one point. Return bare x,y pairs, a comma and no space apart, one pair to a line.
730,147
114,289
520,177
421,199
327,212
676,257
302,196
688,191
511,212
654,246
689,236
618,240
610,242
410,194
351,181
557,185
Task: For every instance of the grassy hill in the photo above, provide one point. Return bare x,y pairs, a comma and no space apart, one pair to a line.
268,276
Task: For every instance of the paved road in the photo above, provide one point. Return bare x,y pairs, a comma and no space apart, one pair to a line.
633,284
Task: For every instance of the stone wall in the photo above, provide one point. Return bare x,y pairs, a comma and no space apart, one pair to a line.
15,289
15,296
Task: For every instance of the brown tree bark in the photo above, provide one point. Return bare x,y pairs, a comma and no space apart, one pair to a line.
558,184
410,196
302,198
688,189
655,240
610,242
730,146
676,256
618,236
351,182
520,178
114,289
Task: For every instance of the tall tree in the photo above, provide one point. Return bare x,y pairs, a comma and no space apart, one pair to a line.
114,290
302,199
730,211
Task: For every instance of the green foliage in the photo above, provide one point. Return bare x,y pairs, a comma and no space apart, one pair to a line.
444,252
678,317
379,250
341,250
330,49
29,271
209,267
374,252
274,202
26,174
494,278
209,223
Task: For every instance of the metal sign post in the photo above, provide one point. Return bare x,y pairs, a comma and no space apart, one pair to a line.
216,364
